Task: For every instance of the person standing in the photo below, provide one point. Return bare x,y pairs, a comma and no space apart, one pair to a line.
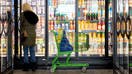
28,21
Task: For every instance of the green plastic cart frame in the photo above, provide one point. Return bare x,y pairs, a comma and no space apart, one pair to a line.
56,63
130,64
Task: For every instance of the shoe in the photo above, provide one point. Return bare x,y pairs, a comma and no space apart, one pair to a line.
33,66
26,67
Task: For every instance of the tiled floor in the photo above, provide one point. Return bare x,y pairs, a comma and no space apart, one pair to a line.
65,72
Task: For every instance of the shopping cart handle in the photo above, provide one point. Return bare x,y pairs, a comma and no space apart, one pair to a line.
80,50
55,33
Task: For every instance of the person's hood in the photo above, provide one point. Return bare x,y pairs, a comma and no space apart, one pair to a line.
31,17
26,7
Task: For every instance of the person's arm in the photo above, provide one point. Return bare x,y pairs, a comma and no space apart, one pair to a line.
22,25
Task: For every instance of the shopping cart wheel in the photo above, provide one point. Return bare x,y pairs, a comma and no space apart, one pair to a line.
84,69
52,70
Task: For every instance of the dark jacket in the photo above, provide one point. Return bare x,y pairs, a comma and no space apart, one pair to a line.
28,23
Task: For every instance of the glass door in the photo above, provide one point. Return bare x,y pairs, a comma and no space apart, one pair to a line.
122,23
127,40
91,27
6,31
118,35
61,15
110,33
121,34
130,37
38,6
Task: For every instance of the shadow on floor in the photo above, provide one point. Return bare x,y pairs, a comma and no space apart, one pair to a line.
64,72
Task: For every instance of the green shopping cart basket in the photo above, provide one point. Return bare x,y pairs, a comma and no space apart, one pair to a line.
56,63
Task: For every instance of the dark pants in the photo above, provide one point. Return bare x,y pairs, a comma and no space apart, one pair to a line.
32,54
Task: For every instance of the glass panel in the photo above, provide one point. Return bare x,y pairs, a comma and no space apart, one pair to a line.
5,35
91,27
126,38
123,34
130,40
119,35
61,15
110,29
38,7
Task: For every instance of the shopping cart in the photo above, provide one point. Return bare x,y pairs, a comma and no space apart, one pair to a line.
56,63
